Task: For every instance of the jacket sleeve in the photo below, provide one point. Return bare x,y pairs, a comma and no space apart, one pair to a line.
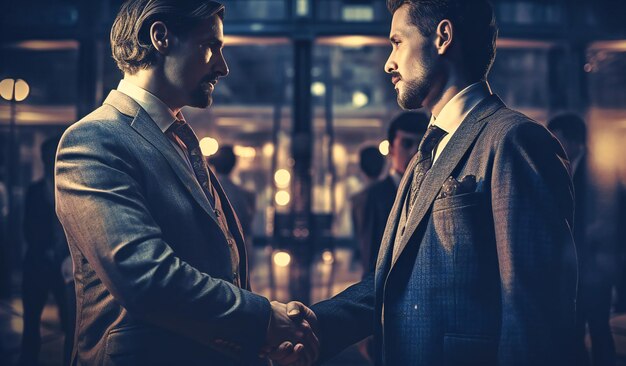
345,318
101,204
532,203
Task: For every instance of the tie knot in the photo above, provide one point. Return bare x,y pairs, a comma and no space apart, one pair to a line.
431,138
182,129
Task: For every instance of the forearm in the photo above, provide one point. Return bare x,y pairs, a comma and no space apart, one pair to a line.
346,318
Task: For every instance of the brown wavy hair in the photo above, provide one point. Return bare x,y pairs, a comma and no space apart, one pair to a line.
130,39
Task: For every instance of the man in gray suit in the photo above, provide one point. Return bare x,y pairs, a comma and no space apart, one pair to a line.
476,265
159,257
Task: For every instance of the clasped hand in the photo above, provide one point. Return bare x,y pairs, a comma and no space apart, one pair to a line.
291,338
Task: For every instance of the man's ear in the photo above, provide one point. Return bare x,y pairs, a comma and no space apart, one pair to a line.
160,37
444,36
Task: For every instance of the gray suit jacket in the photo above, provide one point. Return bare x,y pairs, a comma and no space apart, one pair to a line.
152,267
481,278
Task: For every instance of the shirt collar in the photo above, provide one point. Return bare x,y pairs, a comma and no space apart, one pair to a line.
455,111
156,109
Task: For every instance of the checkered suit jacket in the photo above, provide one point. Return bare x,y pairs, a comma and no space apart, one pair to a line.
486,277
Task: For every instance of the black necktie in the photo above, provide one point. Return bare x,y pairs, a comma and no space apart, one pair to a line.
198,163
431,139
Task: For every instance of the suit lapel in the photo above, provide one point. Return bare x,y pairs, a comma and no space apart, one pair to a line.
445,164
147,128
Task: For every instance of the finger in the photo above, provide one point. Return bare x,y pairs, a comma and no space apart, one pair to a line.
312,347
297,354
282,351
295,310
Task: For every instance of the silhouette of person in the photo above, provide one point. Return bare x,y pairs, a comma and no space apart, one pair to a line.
595,277
372,206
46,251
242,200
371,164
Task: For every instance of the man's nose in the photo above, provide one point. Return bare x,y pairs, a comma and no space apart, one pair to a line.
390,65
222,68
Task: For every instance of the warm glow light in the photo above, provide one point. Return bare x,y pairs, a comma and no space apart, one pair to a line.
282,178
245,152
268,149
6,89
327,257
359,99
318,89
231,40
209,146
21,90
282,259
340,155
282,198
46,45
384,147
353,41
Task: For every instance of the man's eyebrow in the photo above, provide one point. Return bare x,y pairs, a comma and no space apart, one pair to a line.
213,41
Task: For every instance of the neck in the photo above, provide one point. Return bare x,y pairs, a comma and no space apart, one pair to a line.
153,81
451,86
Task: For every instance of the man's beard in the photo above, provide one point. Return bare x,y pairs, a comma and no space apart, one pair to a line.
202,97
414,94
416,90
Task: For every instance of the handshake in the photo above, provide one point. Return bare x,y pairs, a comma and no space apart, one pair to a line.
291,338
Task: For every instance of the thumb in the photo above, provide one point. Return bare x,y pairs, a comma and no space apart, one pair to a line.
296,311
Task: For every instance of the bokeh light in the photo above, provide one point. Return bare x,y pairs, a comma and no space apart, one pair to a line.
282,198
282,178
209,146
383,147
282,259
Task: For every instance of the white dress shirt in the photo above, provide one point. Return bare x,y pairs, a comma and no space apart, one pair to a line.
455,111
160,113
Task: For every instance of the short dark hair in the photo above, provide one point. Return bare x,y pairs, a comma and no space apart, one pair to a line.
571,125
371,161
475,25
224,160
411,122
130,33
